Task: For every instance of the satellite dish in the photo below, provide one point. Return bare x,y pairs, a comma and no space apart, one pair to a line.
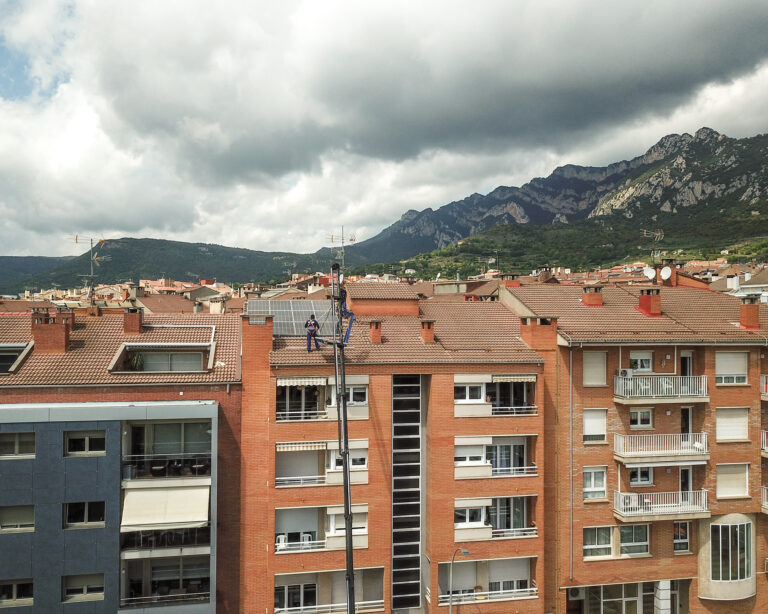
649,272
438,277
666,273
341,278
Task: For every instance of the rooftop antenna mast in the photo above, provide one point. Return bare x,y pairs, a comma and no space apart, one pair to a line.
342,241
94,259
656,236
341,406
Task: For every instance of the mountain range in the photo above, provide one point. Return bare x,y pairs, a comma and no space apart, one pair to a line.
706,191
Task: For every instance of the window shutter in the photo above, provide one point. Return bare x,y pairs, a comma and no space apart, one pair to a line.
17,515
732,480
731,363
732,423
468,451
594,422
594,368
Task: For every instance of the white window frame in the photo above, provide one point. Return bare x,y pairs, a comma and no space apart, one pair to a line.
594,381
302,589
462,455
716,545
467,398
170,354
91,588
16,455
638,413
467,523
588,549
732,379
677,541
351,390
337,526
644,545
641,361
86,523
594,437
15,600
20,525
741,494
336,462
589,474
86,436
721,431
638,480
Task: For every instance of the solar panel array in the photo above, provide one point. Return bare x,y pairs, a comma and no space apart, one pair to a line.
289,316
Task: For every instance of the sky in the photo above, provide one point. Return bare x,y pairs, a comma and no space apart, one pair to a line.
270,125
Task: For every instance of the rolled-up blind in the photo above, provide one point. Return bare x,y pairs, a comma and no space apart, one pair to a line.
594,368
732,423
732,480
594,422
731,363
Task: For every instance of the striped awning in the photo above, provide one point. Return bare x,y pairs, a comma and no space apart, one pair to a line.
301,446
515,377
302,381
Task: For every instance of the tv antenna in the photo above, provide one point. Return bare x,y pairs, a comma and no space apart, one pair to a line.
656,236
94,259
342,241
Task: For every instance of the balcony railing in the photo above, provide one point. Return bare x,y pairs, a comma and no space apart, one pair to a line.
764,441
676,444
764,497
516,410
660,386
303,480
511,471
179,538
520,532
160,600
660,503
317,544
475,596
332,608
301,414
764,384
140,466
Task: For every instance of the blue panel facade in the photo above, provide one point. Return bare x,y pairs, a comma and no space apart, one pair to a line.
52,552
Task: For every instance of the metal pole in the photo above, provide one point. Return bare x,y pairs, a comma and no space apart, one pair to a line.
341,406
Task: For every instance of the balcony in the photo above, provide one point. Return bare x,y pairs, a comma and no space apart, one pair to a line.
318,463
377,605
640,389
165,581
166,599
137,544
481,581
764,500
675,448
324,592
149,466
646,507
764,387
764,444
530,592
306,529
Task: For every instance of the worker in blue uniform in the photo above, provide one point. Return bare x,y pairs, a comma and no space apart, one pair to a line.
313,327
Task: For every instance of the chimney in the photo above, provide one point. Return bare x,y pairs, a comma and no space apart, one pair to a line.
67,316
650,302
592,296
51,332
750,312
375,331
197,307
133,318
428,331
217,306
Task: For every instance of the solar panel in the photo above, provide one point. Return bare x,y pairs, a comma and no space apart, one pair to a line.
289,316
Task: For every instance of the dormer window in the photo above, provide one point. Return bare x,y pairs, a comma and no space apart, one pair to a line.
6,360
10,355
168,361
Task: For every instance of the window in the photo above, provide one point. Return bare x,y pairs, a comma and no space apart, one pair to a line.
188,575
594,369
83,587
168,361
732,480
681,540
640,418
641,361
732,423
359,523
358,459
84,514
85,443
504,586
731,367
6,361
594,482
295,596
468,455
509,459
615,599
597,541
300,402
356,395
634,539
468,392
468,516
15,592
731,551
17,445
594,425
641,476
17,518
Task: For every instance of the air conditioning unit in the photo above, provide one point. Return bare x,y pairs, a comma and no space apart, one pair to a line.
625,372
577,593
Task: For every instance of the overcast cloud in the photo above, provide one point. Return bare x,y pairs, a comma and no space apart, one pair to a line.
269,125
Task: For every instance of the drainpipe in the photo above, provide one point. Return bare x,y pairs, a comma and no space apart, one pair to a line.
570,402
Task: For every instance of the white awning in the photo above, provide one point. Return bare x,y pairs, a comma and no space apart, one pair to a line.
479,502
157,509
301,446
515,377
301,381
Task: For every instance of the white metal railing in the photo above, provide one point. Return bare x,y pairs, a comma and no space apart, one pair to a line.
764,384
764,440
661,445
332,608
300,414
139,602
525,470
302,480
317,544
517,410
660,386
473,596
519,532
653,503
764,494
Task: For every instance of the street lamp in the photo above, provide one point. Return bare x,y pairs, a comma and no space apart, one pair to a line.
465,552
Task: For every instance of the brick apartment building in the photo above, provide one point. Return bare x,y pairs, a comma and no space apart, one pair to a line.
572,450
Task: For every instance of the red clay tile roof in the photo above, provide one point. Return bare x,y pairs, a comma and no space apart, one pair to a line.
168,303
688,315
381,290
95,341
464,333
20,306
